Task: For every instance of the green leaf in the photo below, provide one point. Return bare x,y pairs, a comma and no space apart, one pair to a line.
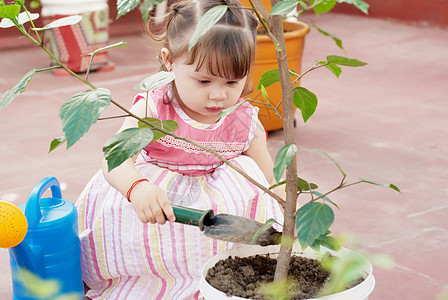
262,229
155,81
312,220
392,186
337,40
207,21
56,142
66,21
284,7
20,86
359,4
304,100
126,144
324,7
335,69
345,61
125,6
9,11
230,110
333,160
283,159
269,78
167,125
82,110
121,44
303,185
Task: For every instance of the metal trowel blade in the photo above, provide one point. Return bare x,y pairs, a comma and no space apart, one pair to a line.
240,230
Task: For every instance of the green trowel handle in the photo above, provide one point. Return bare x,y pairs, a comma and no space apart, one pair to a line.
191,216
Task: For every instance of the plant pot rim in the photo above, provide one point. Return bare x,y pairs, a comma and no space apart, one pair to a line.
362,290
297,29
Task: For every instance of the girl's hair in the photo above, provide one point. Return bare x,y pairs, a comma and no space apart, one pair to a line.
226,50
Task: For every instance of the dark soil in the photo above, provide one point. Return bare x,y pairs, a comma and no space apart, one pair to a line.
241,276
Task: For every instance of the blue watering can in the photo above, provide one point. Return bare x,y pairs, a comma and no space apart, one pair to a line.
50,250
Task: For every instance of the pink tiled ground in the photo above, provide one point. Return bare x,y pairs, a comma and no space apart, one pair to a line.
386,122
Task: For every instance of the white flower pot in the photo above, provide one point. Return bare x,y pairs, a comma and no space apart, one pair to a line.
359,292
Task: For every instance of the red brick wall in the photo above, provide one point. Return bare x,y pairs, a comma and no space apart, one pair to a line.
425,12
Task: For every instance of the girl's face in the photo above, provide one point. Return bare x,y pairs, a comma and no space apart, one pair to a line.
202,95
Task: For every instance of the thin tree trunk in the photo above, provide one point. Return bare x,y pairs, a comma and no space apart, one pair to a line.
281,271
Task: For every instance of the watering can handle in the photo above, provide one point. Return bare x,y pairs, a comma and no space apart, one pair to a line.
32,210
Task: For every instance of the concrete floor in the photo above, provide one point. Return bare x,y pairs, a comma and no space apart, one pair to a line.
386,122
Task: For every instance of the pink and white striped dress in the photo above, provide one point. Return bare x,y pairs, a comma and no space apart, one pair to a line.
123,258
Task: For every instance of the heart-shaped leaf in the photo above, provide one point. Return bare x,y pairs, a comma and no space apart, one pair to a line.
312,220
82,110
126,144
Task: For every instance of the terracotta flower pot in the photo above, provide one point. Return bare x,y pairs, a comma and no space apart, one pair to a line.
358,292
265,59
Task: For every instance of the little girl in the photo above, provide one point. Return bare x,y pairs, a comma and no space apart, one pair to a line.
128,252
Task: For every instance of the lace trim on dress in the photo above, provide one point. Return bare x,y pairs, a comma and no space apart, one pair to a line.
224,148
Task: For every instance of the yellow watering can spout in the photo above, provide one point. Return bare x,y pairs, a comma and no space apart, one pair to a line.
13,225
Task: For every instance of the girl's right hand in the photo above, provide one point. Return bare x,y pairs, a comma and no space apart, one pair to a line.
151,204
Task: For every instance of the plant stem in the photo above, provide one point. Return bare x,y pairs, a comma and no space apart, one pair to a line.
264,17
275,109
315,67
31,21
281,271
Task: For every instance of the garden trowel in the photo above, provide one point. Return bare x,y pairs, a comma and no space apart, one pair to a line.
227,227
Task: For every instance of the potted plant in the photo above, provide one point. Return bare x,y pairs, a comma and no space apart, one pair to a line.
312,220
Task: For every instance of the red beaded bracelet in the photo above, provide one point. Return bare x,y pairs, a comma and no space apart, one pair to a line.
128,194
